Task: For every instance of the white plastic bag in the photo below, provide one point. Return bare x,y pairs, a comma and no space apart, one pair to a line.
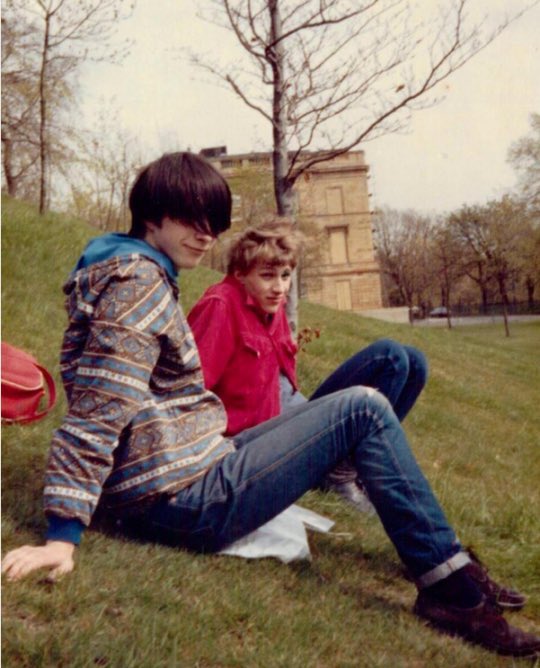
283,537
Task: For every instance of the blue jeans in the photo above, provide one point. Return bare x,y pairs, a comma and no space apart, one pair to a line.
398,372
277,461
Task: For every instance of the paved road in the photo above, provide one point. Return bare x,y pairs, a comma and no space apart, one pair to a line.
475,320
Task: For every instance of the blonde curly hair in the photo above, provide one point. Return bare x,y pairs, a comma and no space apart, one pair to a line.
274,243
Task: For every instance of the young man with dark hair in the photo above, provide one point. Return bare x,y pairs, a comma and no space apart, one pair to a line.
180,186
143,437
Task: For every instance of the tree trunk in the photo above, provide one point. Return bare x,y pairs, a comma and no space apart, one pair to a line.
43,148
283,187
483,288
529,286
280,158
11,182
446,299
504,296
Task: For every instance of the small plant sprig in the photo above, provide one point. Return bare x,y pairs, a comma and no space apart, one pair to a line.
307,335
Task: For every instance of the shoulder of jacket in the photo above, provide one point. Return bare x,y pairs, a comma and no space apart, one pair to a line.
227,292
126,267
218,294
94,279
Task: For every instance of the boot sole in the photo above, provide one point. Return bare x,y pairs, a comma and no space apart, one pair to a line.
451,631
510,606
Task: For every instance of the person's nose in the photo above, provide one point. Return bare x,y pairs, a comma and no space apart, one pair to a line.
205,237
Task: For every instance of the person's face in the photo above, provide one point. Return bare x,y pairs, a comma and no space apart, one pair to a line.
183,244
267,285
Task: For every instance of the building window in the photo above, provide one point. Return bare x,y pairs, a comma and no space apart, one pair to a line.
334,200
343,294
338,245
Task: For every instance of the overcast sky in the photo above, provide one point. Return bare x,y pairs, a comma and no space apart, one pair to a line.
453,153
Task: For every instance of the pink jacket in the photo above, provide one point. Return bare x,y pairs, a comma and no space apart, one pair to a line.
242,353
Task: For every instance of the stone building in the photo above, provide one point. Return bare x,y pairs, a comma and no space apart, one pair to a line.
332,196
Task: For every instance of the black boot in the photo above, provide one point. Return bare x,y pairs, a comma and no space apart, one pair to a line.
483,624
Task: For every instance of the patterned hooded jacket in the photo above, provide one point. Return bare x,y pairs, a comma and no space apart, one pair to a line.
140,422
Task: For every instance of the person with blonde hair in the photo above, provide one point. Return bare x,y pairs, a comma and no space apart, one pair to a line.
249,357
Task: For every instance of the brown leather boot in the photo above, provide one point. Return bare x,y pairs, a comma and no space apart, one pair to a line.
483,624
504,597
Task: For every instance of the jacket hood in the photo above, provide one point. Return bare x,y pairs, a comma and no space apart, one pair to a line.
117,244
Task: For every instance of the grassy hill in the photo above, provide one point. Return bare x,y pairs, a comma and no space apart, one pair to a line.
475,431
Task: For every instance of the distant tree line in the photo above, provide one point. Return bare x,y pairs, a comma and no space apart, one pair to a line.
481,254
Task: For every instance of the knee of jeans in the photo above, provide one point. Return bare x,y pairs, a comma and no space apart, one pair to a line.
397,354
418,362
369,397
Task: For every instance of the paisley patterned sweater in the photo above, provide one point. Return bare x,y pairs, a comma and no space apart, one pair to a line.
140,422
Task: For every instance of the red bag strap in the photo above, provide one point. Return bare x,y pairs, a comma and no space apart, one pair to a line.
52,395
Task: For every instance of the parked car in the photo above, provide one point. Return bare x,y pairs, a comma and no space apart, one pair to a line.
439,312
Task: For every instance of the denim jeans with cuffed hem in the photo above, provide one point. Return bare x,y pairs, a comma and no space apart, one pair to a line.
277,461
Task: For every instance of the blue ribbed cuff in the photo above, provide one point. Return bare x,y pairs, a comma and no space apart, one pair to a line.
67,530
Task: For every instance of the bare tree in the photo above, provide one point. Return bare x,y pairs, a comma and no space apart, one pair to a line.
252,193
467,226
494,237
530,262
449,269
20,118
524,155
68,34
107,160
404,254
331,74
509,227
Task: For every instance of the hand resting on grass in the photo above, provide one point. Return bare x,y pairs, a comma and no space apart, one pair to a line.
55,554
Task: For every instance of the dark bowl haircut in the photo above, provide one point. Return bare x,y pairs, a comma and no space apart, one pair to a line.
181,186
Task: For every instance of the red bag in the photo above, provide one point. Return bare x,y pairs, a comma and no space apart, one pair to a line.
23,386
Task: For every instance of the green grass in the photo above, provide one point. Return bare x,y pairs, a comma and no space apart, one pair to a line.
475,431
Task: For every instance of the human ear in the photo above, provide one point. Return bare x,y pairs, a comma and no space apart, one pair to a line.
149,227
239,276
